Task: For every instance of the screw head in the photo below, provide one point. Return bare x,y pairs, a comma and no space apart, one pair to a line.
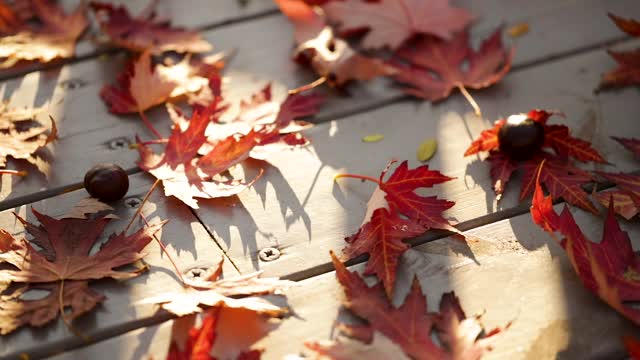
119,143
72,84
132,202
269,254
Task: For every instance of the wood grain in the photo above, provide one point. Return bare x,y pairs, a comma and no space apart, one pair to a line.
72,91
297,208
515,273
184,236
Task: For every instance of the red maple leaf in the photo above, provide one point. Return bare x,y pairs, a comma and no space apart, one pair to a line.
626,197
445,58
145,32
559,175
58,259
54,37
144,85
331,57
633,347
253,133
200,341
610,269
628,71
383,234
631,144
410,326
391,22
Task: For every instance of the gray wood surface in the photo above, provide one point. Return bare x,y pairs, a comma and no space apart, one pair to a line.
72,90
518,273
297,207
185,237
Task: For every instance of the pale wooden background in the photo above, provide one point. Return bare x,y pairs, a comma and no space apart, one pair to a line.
518,274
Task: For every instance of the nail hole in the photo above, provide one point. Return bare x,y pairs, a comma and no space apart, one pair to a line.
119,143
72,84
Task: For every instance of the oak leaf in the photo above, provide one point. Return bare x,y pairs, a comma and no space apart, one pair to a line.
145,32
628,71
55,36
391,22
445,58
59,256
331,57
560,176
410,326
609,269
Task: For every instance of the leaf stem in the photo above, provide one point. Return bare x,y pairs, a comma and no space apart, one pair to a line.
354,176
164,250
470,99
148,124
144,200
309,86
66,321
14,172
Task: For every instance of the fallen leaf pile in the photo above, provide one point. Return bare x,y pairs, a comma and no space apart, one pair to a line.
559,175
410,326
396,216
423,37
54,36
22,137
628,71
609,268
58,260
194,165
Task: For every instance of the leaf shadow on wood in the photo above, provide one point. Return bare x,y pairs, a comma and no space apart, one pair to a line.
573,322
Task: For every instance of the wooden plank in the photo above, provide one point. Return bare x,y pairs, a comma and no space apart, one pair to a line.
297,208
185,237
557,28
72,91
519,274
86,125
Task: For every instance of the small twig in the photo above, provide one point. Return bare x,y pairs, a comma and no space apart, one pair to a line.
66,321
144,200
149,125
470,99
164,250
309,86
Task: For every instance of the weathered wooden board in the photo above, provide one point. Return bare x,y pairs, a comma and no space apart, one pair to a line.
191,14
267,53
518,273
297,208
185,237
87,128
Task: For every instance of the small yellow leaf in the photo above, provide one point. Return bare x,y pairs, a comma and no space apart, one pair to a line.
427,149
373,138
518,30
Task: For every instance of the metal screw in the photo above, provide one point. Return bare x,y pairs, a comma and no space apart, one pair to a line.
269,254
72,84
132,202
196,273
119,143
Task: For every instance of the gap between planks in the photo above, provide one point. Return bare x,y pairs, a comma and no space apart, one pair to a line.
41,195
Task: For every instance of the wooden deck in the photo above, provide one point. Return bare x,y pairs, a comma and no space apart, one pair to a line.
518,273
